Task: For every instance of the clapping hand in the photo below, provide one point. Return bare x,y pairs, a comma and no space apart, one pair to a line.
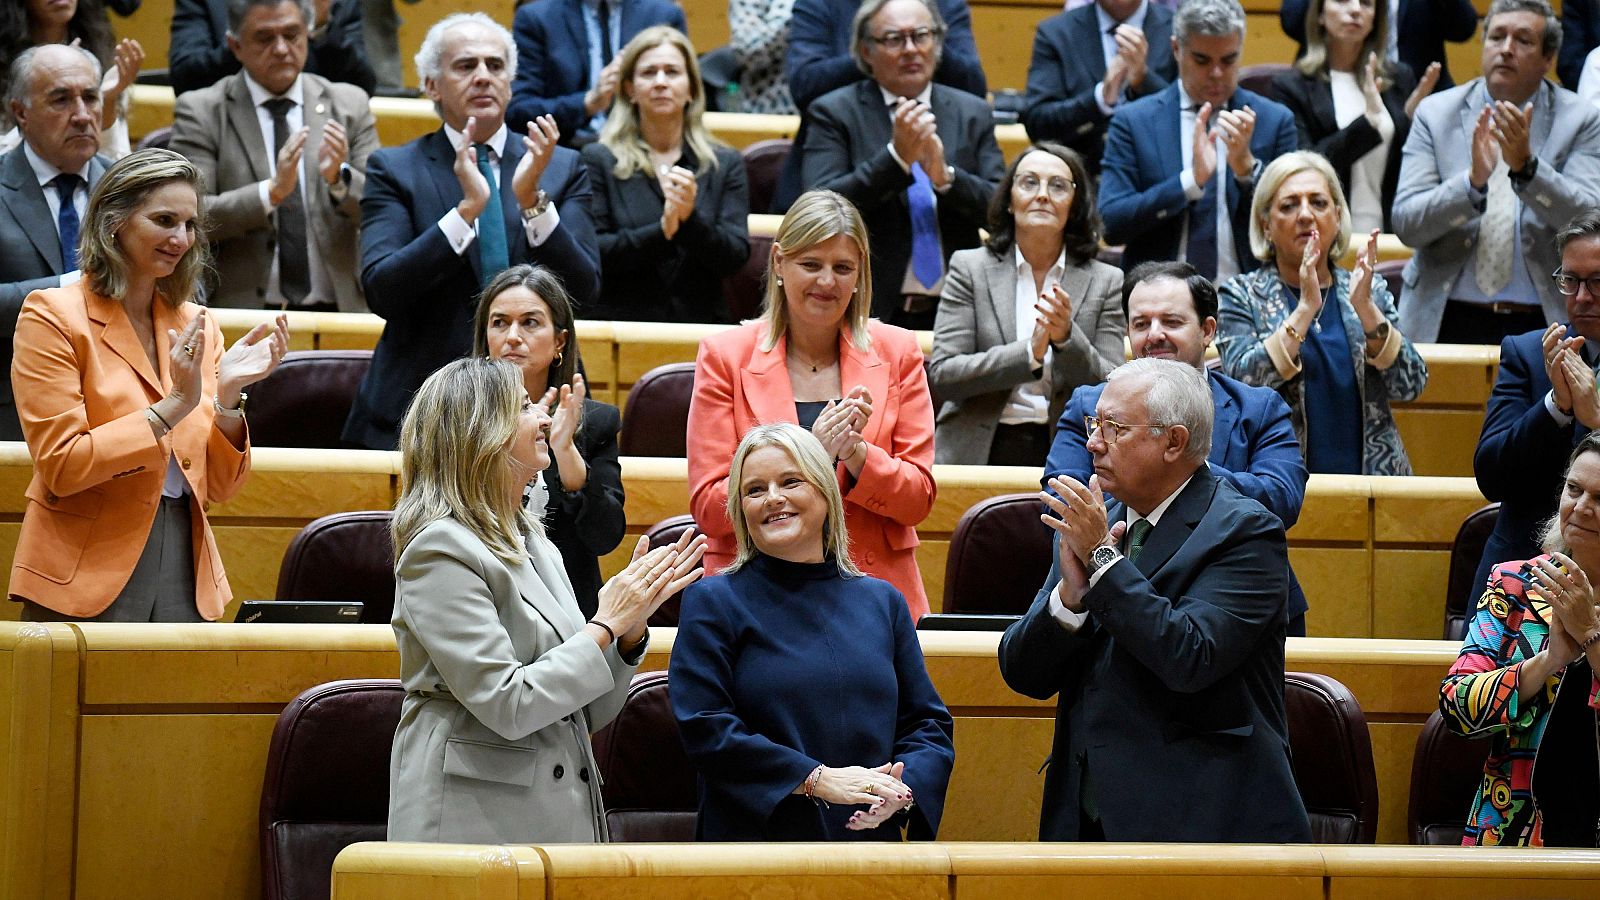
1310,283
539,145
1554,342
1485,150
332,151
840,424
883,808
1081,528
1203,160
1361,279
1580,388
187,362
252,358
474,189
914,124
287,173
1564,585
1430,77
566,410
1510,126
1132,50
605,87
126,60
1054,322
1237,126
678,190
629,597
1371,91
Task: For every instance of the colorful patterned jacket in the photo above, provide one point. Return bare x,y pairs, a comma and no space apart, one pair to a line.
1479,698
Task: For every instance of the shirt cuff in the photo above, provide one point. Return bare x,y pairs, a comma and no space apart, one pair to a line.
457,231
540,227
637,655
1555,412
264,190
1191,189
1066,618
1100,99
904,166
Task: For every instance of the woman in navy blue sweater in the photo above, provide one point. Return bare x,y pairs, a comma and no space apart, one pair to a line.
798,683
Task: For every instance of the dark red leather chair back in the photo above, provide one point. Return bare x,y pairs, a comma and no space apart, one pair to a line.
655,419
1393,273
1258,78
661,534
305,402
1446,772
763,161
1332,755
343,556
649,785
744,291
999,557
1462,591
327,783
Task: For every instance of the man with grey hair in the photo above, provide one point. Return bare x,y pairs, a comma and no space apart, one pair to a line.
283,154
1491,171
200,57
448,211
45,182
917,158
1180,165
1161,627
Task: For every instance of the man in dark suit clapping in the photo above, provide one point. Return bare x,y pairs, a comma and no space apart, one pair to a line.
1161,627
446,212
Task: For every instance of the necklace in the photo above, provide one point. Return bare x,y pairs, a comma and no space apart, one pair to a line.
802,360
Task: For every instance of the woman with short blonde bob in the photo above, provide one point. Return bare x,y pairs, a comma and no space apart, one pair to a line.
798,683
504,679
670,201
133,412
816,359
1328,340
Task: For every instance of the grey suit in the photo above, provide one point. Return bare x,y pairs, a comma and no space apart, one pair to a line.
503,689
218,130
30,259
1436,214
978,357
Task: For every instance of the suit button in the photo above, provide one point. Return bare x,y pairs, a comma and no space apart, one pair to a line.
51,499
186,463
560,772
583,775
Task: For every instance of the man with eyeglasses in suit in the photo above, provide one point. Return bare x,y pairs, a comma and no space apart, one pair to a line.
1544,402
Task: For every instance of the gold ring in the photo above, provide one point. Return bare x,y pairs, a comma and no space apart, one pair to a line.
188,350
871,789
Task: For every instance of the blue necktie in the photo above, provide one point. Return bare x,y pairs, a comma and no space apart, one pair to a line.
67,220
493,257
926,263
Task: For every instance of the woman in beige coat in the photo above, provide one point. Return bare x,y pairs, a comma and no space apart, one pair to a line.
504,679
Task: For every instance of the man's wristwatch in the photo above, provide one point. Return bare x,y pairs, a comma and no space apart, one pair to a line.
1102,557
541,203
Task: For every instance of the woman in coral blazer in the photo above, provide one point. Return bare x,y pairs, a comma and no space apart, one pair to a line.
815,358
132,412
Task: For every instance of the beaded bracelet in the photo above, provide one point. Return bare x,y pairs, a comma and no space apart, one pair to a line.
811,787
1590,642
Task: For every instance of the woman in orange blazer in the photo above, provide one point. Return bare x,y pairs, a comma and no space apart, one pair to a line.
132,412
815,358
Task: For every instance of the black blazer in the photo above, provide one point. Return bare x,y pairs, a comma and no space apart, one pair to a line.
425,292
1424,26
1068,61
643,276
1173,688
587,524
200,56
1311,101
847,150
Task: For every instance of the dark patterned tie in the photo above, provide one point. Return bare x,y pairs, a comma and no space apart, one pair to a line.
66,186
294,266
1137,532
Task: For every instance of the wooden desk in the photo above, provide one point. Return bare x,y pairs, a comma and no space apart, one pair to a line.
132,756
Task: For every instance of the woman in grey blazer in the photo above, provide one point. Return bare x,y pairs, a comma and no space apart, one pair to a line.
504,679
1026,318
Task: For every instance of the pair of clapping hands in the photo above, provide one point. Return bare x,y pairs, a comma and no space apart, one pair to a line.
539,144
839,428
1566,587
916,139
678,191
1572,382
1501,132
1080,521
881,788
1360,278
627,601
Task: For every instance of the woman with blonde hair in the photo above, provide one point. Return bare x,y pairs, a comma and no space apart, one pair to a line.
504,678
816,359
1328,340
798,683
133,412
670,201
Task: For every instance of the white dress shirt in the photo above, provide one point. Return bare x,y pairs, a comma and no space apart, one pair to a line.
1072,621
1029,403
460,234
1227,260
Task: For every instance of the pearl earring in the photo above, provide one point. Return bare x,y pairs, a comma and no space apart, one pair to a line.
780,281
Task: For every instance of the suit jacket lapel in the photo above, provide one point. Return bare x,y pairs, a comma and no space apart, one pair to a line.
877,129
1090,45
765,379
1222,424
117,333
577,36
534,582
1167,126
448,190
864,367
1002,294
25,198
247,128
1075,281
1177,523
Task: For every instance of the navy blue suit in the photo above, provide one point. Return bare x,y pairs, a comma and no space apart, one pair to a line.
199,56
1580,32
1171,692
1253,448
1424,26
1522,454
819,62
1069,61
781,667
1141,196
424,290
553,58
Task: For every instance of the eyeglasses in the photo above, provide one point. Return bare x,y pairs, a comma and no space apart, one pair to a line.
894,40
1568,284
1111,430
1059,188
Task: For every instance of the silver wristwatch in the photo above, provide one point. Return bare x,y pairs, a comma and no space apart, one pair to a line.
1102,557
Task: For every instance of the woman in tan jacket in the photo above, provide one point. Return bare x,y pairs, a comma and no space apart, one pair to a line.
133,413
